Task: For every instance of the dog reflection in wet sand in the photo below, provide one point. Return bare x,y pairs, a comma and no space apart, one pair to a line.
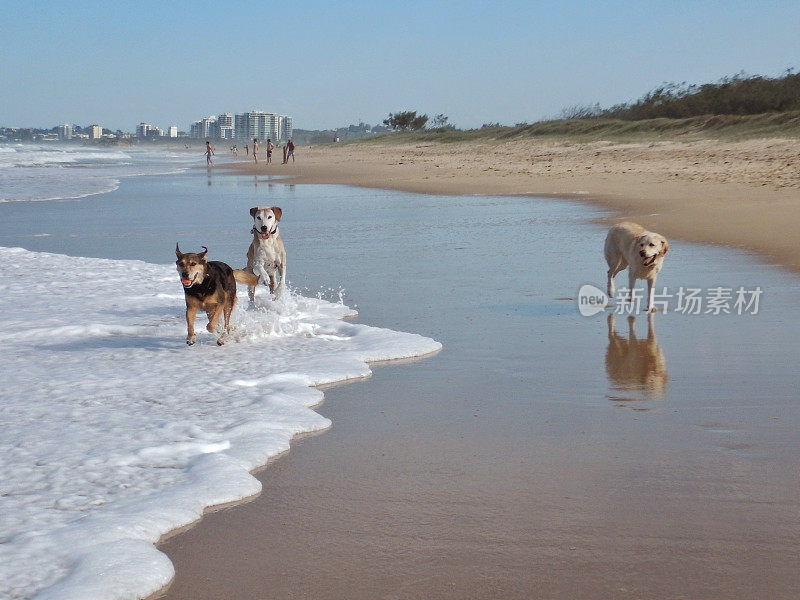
635,364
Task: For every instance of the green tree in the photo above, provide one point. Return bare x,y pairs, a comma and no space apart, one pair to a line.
440,121
406,120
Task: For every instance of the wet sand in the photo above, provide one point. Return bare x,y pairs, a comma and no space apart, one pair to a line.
745,194
541,454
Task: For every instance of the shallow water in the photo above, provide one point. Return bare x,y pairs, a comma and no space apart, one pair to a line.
565,443
109,430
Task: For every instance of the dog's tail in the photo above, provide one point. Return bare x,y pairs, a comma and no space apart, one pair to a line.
245,277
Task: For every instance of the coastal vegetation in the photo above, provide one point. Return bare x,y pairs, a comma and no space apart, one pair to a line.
407,120
740,94
736,107
726,127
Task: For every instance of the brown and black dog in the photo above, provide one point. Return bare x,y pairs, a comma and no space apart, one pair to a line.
209,286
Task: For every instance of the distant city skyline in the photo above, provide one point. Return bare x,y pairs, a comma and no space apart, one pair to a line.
244,126
330,64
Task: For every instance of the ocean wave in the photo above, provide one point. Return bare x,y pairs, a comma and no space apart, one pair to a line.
36,156
113,435
41,190
37,173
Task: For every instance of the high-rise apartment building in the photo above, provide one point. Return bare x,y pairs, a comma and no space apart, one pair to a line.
251,125
262,125
95,132
142,129
240,127
208,127
225,126
244,126
65,132
285,128
273,126
205,128
173,131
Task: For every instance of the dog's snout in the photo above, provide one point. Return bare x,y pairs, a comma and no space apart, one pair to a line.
642,253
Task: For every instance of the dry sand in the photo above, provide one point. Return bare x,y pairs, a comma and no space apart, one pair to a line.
745,194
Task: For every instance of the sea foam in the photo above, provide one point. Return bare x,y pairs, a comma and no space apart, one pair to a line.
113,432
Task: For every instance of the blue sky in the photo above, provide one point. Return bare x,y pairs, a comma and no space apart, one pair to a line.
334,63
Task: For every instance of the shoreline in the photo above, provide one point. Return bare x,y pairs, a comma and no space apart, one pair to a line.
276,407
259,470
297,437
319,170
510,465
744,194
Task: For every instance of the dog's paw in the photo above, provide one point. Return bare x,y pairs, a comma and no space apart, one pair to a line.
278,291
221,340
190,340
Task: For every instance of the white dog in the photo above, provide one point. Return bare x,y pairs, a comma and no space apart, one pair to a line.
630,245
266,255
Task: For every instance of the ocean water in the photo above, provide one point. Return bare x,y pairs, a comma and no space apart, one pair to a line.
70,171
114,432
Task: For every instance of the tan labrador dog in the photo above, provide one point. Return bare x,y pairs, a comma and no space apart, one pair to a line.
266,256
631,245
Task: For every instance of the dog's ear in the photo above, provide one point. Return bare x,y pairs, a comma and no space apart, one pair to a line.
664,247
202,255
253,211
278,212
178,252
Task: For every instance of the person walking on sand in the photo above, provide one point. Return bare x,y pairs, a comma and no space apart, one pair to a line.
255,150
289,150
247,149
284,155
270,148
209,153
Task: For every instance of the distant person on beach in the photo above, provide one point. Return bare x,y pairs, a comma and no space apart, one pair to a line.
209,153
270,148
289,150
247,149
255,150
284,155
